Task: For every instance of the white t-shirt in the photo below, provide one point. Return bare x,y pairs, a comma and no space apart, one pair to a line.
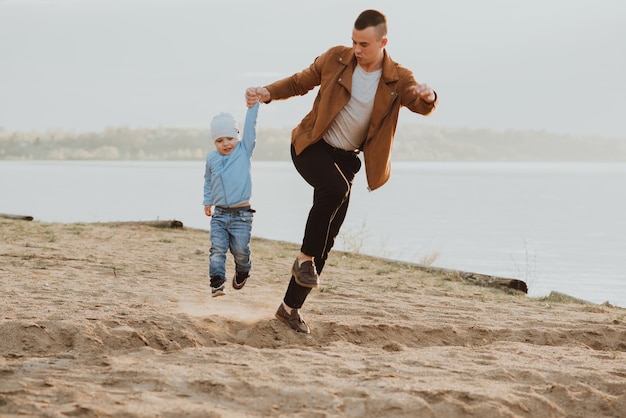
349,128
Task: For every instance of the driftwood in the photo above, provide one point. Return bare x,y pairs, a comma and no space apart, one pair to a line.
173,223
165,224
502,283
493,281
157,224
18,217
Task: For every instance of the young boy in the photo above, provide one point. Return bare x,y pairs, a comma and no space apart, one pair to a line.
227,191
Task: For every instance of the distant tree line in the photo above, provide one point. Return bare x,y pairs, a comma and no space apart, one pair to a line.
412,143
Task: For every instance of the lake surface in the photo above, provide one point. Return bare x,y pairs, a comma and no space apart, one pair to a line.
557,226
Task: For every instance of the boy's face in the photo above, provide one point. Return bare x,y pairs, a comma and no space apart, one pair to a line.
225,145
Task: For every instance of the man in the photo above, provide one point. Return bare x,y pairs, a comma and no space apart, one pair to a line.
361,91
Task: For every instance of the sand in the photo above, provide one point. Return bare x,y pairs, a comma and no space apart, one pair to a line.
117,320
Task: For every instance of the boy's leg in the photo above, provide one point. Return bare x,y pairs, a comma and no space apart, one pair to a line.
217,253
240,230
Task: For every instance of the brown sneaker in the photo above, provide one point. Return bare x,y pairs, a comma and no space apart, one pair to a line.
305,273
239,279
293,320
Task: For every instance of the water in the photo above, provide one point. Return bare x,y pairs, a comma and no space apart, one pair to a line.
557,226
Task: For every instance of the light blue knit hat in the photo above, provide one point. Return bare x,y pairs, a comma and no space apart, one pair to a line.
224,125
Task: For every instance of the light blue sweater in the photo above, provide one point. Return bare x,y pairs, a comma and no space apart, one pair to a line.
227,178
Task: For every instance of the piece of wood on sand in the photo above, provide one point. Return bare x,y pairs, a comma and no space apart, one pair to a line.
173,223
502,283
18,217
493,281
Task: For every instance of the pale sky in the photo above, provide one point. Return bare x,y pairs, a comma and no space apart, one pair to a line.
549,65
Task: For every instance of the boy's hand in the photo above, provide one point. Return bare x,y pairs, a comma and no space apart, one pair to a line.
257,94
207,210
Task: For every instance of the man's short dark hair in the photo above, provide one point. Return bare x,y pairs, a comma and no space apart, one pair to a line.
373,18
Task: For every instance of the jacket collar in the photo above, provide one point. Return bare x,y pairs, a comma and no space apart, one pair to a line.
389,74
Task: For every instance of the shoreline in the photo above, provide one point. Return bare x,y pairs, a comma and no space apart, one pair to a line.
470,240
479,279
116,319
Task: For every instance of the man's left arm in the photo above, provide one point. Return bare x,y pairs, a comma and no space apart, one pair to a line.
420,98
425,92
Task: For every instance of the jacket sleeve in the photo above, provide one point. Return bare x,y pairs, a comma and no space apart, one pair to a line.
412,101
300,83
207,184
417,105
249,129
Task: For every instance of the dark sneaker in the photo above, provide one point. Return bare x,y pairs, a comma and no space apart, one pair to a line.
305,273
217,286
217,291
293,320
240,278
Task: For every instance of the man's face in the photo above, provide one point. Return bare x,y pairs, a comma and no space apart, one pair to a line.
225,145
368,49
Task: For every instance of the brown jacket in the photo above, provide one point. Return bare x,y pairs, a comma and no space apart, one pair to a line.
332,71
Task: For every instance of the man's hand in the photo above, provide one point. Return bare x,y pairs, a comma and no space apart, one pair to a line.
207,210
257,94
424,92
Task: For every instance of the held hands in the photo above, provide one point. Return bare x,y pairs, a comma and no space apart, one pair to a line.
257,94
424,92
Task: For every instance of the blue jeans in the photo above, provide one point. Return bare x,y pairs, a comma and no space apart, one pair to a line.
230,229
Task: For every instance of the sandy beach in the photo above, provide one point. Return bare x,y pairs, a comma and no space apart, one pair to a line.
117,320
